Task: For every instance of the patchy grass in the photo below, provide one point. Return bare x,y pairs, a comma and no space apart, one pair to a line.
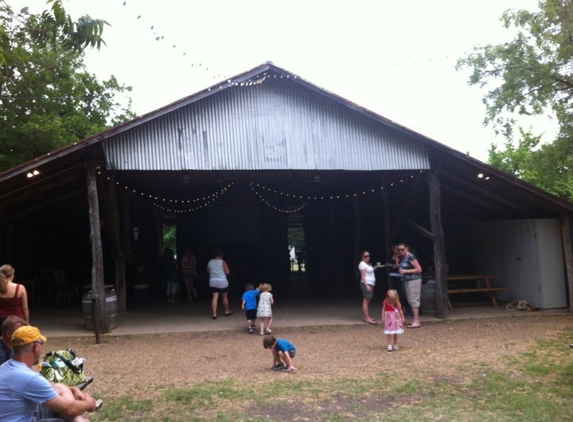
533,385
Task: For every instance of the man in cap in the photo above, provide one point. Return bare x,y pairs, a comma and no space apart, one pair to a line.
10,324
23,390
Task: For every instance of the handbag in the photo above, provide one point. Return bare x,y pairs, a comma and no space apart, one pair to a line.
63,366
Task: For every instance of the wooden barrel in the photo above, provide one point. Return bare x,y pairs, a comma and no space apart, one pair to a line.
111,310
428,305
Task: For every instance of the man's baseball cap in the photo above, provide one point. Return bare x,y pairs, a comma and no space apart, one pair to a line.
26,335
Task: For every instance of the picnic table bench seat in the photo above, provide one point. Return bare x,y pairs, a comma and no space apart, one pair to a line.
476,288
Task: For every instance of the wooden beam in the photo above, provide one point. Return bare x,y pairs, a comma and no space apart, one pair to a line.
98,288
487,193
419,228
111,211
408,203
442,309
568,256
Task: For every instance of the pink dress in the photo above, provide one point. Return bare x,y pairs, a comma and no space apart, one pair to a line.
392,319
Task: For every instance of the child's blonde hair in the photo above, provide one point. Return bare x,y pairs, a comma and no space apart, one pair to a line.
265,287
393,295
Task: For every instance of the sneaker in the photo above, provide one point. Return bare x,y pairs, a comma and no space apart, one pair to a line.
268,331
254,327
262,333
250,330
278,366
571,345
396,348
389,348
287,369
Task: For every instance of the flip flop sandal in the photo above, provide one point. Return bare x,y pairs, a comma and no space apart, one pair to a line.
229,313
371,322
413,326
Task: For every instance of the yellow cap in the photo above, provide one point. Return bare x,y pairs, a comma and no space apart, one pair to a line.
26,335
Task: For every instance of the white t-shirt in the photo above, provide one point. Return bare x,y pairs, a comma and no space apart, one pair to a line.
368,273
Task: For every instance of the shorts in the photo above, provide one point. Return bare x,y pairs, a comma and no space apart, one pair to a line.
367,294
413,291
218,290
291,353
251,314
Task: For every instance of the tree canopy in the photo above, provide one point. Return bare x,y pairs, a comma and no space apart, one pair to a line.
48,99
531,75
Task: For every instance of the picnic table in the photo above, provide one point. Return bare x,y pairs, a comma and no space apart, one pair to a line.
472,283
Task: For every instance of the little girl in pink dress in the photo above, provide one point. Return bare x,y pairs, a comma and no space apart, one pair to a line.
393,319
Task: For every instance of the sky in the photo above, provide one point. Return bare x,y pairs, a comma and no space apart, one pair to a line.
396,58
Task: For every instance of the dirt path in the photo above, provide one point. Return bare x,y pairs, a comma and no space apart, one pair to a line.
445,349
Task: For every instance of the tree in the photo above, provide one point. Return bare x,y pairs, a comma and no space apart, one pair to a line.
48,99
531,75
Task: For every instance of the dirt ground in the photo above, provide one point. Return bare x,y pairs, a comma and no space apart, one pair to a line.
137,365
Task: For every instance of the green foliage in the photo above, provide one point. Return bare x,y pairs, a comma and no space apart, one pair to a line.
296,237
48,99
170,237
531,75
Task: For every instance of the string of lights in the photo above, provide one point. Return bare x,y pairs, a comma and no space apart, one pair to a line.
187,205
275,207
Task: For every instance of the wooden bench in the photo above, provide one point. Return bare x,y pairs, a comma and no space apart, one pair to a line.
477,278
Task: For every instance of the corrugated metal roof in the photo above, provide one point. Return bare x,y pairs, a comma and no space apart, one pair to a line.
275,125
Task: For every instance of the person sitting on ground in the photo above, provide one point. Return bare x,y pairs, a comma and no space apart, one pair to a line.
25,393
10,324
283,352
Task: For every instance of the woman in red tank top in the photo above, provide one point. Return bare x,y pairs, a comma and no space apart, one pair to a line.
13,297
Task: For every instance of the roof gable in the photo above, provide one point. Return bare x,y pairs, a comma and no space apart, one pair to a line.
272,124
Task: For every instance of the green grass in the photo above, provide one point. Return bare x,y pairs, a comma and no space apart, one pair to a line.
534,386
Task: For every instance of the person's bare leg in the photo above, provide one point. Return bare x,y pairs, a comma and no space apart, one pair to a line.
263,326
214,301
287,360
193,289
269,322
415,312
365,303
187,282
64,391
225,302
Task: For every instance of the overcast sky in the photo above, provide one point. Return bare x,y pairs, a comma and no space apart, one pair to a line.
393,57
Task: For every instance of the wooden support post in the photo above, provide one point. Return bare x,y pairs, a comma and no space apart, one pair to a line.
97,253
439,246
112,213
567,256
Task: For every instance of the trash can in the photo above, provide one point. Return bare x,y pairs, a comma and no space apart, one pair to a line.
111,310
141,293
428,305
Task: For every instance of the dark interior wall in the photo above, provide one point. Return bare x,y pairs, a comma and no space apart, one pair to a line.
261,255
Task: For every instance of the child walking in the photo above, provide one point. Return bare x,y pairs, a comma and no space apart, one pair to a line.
283,352
393,319
250,306
265,308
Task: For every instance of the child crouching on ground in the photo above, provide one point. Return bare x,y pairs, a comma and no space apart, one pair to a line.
283,352
250,306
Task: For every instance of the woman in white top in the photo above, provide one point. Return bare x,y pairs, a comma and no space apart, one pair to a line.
367,282
218,283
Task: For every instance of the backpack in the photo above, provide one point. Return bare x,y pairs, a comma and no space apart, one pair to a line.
63,366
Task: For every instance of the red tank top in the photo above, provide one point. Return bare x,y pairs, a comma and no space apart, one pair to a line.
11,305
